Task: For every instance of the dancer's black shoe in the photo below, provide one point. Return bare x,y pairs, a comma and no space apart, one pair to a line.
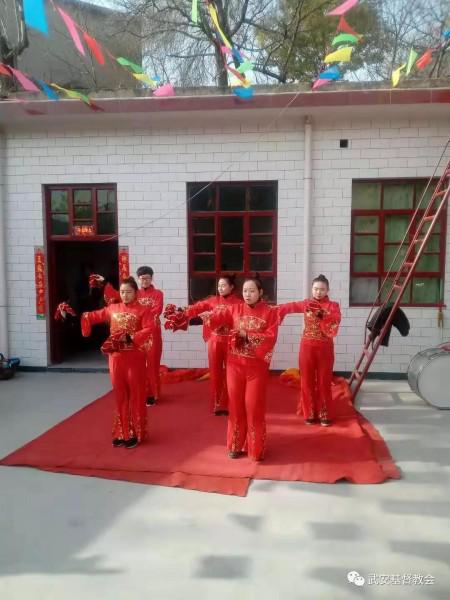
235,454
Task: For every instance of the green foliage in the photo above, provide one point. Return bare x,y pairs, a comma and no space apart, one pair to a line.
301,36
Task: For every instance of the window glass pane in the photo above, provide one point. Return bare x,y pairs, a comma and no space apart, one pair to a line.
366,243
436,203
204,243
432,244
269,288
366,224
106,223
262,197
260,243
203,225
82,196
426,290
363,290
60,224
390,252
428,262
366,195
232,229
106,200
420,190
232,198
261,224
202,287
426,226
395,227
200,198
232,258
83,211
204,262
365,263
261,262
398,196
59,201
406,297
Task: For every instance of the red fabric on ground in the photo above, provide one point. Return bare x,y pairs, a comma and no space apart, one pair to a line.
186,445
178,375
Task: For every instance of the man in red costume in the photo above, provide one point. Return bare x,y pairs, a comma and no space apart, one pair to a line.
316,359
148,296
131,328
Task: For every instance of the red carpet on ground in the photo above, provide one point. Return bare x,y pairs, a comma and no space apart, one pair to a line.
186,444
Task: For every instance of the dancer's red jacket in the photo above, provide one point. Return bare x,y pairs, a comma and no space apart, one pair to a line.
133,319
207,306
322,317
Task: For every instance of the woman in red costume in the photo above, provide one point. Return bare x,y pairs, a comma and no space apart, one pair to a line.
149,296
253,328
131,329
321,323
217,340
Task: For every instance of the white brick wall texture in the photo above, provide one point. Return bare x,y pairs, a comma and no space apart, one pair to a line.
151,166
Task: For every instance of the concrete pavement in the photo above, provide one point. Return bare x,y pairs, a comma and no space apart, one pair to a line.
64,537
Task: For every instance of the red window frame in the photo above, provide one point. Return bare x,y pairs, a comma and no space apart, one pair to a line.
218,215
79,221
382,213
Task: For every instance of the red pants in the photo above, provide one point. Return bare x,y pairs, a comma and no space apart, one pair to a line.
316,371
217,356
247,385
126,370
153,364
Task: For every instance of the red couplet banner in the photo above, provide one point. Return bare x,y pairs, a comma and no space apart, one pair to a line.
39,278
124,262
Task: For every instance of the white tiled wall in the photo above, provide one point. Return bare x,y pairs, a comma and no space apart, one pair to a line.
151,166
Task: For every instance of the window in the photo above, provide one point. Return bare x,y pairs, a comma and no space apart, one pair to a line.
83,211
381,214
232,229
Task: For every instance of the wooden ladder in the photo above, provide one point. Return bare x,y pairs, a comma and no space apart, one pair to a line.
402,276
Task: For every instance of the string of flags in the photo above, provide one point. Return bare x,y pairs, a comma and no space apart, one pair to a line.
343,45
236,63
36,18
419,62
346,40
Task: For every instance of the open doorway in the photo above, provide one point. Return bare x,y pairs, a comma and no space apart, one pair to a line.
70,264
